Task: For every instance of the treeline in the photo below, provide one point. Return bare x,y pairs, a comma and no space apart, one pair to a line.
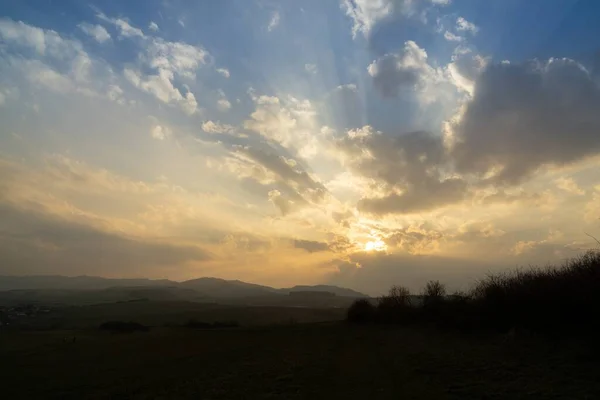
553,299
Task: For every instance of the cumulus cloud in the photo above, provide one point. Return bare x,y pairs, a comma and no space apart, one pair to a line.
153,26
465,26
98,32
126,30
43,41
161,86
160,132
310,68
223,104
289,122
216,127
409,71
224,72
409,170
452,37
524,116
366,14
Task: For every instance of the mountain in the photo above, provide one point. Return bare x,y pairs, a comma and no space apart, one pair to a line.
74,283
221,288
338,291
195,288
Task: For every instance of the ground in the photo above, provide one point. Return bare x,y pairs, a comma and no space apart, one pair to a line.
311,361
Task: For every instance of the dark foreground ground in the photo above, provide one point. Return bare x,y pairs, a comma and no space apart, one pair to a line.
316,361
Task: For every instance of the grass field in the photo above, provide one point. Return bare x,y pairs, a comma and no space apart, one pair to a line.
312,361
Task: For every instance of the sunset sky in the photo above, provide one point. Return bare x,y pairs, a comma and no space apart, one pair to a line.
361,143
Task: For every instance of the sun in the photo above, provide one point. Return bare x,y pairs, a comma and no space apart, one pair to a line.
375,245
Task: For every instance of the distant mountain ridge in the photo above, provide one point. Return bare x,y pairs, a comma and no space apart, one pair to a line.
210,287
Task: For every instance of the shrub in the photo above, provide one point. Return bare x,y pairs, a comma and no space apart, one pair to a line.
395,306
552,300
361,311
434,294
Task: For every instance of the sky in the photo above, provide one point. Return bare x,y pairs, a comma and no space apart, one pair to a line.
361,143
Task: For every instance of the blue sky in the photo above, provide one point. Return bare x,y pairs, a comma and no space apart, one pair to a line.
354,142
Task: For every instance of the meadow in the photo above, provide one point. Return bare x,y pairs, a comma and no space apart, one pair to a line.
302,361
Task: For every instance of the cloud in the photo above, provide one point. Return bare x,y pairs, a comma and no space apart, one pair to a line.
311,68
160,132
463,25
224,72
223,104
366,14
274,22
32,242
98,32
125,29
153,26
408,171
465,68
44,42
161,86
524,116
311,246
396,71
216,127
289,122
452,37
569,186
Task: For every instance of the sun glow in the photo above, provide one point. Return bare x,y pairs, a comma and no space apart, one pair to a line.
375,245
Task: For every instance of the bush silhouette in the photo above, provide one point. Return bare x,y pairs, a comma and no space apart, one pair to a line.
361,311
554,300
395,306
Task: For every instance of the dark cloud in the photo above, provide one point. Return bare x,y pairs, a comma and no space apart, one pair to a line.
426,195
411,167
396,71
524,116
311,246
36,243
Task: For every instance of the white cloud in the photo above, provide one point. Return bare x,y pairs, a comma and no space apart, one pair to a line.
465,26
98,32
409,71
216,127
366,13
224,72
177,57
290,122
162,88
125,29
274,22
569,186
452,37
171,61
44,42
160,132
310,68
41,74
223,104
153,26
